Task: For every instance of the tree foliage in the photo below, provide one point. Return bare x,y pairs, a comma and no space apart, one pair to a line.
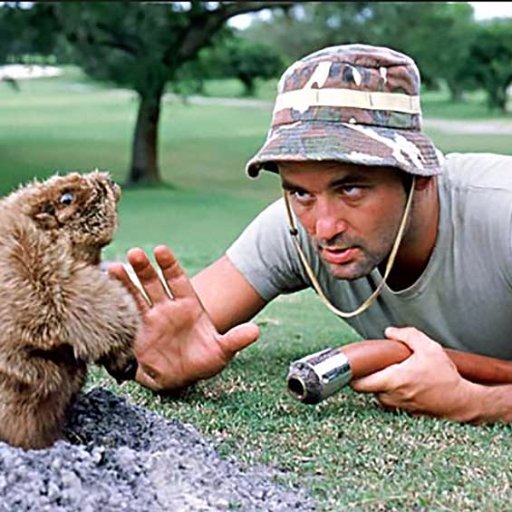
229,56
24,30
237,57
490,62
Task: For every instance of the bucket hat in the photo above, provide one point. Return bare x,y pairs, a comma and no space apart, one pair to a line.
353,103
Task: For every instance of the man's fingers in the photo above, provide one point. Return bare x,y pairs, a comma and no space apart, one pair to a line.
145,380
147,275
178,282
238,338
376,382
118,271
412,337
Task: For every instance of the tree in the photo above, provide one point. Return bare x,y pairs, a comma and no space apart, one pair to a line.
490,62
142,46
242,59
24,32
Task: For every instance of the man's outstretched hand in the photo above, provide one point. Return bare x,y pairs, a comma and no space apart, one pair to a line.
177,343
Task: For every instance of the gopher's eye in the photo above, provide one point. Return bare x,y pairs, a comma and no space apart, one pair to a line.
66,198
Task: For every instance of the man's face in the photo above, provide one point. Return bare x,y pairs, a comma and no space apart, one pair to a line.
351,212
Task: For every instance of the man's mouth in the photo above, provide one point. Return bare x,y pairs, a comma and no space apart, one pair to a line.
338,256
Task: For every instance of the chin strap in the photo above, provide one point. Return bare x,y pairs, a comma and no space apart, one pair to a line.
389,265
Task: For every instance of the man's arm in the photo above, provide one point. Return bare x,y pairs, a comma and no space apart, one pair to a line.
428,383
492,403
226,295
179,342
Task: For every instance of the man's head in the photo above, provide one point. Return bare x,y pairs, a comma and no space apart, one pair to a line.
345,138
351,212
355,104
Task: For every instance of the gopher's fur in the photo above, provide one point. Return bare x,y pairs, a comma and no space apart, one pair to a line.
58,310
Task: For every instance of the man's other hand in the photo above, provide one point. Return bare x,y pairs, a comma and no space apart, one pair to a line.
427,382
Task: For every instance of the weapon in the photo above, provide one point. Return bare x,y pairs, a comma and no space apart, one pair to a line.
318,376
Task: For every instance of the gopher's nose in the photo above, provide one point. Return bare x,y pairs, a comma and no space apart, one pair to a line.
115,188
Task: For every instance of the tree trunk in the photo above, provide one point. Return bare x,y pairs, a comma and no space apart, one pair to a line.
248,83
456,91
502,99
497,98
144,165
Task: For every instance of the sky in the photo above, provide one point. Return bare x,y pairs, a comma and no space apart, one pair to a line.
486,10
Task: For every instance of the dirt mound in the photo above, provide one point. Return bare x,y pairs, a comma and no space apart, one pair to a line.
117,457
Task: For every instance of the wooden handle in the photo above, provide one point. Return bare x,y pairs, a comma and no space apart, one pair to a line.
369,356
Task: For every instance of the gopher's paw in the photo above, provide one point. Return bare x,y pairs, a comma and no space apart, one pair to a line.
121,366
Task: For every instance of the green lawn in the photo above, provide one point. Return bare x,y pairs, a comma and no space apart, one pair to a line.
349,453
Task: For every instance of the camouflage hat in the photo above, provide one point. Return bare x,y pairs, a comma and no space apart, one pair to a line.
355,103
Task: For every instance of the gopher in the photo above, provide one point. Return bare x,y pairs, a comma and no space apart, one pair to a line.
58,310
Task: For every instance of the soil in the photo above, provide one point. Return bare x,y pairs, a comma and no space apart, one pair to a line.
119,457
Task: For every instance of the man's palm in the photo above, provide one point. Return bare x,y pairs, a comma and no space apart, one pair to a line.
178,343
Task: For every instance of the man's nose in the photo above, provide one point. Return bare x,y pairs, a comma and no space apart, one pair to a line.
329,222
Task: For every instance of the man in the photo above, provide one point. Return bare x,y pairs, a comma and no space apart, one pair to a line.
415,246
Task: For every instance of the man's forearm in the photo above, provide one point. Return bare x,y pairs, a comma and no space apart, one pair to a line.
486,404
226,295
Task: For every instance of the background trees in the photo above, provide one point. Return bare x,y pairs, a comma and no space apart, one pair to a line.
238,57
490,62
230,56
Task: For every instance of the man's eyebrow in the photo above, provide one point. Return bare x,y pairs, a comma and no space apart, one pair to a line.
337,182
286,185
349,179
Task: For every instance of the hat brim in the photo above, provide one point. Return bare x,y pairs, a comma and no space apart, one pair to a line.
408,150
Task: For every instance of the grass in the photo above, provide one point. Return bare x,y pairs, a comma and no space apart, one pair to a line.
346,450
473,105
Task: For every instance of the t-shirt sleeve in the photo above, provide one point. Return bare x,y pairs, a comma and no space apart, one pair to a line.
265,255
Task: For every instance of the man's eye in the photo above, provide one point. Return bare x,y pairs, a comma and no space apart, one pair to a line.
351,191
301,195
66,198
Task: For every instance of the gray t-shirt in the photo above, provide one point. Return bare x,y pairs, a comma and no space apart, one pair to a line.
463,299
